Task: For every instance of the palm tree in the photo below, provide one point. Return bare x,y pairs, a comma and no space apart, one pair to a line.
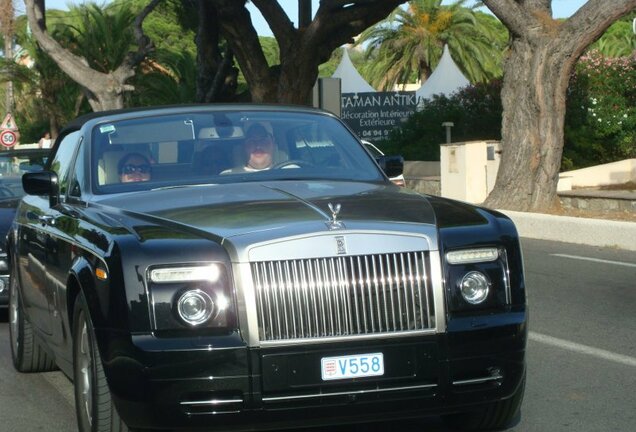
408,44
102,36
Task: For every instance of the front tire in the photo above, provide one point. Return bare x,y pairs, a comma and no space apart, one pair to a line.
496,416
93,404
26,352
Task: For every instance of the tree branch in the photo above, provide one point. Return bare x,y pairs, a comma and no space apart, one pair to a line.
240,33
337,21
280,24
144,44
74,66
514,16
591,20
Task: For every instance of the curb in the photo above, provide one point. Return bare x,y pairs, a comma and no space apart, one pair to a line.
594,232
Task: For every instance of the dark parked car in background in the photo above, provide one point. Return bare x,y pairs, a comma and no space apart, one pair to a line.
13,163
211,294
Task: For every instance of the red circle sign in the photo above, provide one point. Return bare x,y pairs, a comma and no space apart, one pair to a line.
8,138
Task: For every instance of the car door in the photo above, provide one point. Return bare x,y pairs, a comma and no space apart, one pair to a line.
42,244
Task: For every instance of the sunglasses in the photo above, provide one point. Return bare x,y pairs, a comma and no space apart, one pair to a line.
255,140
131,169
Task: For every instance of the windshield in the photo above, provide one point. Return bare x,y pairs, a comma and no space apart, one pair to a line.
225,147
14,163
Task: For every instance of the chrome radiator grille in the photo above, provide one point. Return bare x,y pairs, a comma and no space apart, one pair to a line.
343,296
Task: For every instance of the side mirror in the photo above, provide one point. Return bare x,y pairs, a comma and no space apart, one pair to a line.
42,183
392,166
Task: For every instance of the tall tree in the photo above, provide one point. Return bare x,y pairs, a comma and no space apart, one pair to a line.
104,89
409,43
542,55
7,27
301,49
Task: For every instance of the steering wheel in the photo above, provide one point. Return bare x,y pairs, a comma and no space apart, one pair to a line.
289,163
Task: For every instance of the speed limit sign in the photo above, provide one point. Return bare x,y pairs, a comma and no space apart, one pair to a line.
8,138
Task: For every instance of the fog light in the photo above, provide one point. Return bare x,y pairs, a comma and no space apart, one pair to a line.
195,307
474,287
3,285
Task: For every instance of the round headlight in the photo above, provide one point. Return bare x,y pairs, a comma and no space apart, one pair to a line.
195,307
474,287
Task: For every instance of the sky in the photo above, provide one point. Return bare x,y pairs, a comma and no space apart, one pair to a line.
560,9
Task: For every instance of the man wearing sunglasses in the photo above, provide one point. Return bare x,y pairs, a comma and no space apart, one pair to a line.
134,167
259,149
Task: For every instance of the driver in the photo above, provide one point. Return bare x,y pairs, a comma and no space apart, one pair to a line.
259,148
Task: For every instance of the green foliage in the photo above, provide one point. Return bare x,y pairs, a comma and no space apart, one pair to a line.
475,111
42,91
601,111
103,36
171,26
171,79
600,121
408,44
618,40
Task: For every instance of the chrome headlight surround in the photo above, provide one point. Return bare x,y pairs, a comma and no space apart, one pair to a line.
191,296
478,278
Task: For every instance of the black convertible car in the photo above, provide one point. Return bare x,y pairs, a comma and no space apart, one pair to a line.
183,283
13,163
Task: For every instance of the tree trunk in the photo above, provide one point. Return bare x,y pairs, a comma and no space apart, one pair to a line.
533,99
301,49
296,79
8,54
542,54
7,24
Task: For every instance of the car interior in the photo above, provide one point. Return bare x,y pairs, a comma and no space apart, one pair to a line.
189,148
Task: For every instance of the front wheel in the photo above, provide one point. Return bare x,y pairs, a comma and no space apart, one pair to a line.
26,352
93,405
496,416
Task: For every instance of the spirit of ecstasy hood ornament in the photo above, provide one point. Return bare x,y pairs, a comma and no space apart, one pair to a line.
334,223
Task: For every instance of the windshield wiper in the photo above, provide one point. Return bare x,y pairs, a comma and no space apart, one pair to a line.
184,186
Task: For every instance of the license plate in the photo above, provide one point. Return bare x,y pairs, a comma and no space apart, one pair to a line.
352,366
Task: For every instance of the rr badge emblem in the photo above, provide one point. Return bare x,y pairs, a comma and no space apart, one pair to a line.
341,245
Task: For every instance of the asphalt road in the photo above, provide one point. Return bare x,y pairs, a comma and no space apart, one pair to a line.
581,352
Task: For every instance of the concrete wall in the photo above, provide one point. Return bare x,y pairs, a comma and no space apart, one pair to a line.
600,175
420,169
469,169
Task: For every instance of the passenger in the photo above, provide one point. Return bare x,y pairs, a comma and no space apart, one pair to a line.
259,148
134,167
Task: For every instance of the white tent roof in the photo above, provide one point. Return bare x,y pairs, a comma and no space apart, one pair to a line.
445,79
350,80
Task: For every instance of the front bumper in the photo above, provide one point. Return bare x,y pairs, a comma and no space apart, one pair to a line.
163,384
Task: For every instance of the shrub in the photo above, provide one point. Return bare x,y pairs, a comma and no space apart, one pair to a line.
600,121
600,124
475,111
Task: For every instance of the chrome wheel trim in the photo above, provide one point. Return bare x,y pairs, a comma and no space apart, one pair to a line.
14,315
85,368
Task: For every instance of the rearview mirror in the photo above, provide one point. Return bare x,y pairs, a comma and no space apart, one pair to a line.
392,166
42,183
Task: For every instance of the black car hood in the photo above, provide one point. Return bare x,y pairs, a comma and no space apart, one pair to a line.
237,209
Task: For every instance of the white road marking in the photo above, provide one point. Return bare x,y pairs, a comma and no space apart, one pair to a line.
620,263
583,349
